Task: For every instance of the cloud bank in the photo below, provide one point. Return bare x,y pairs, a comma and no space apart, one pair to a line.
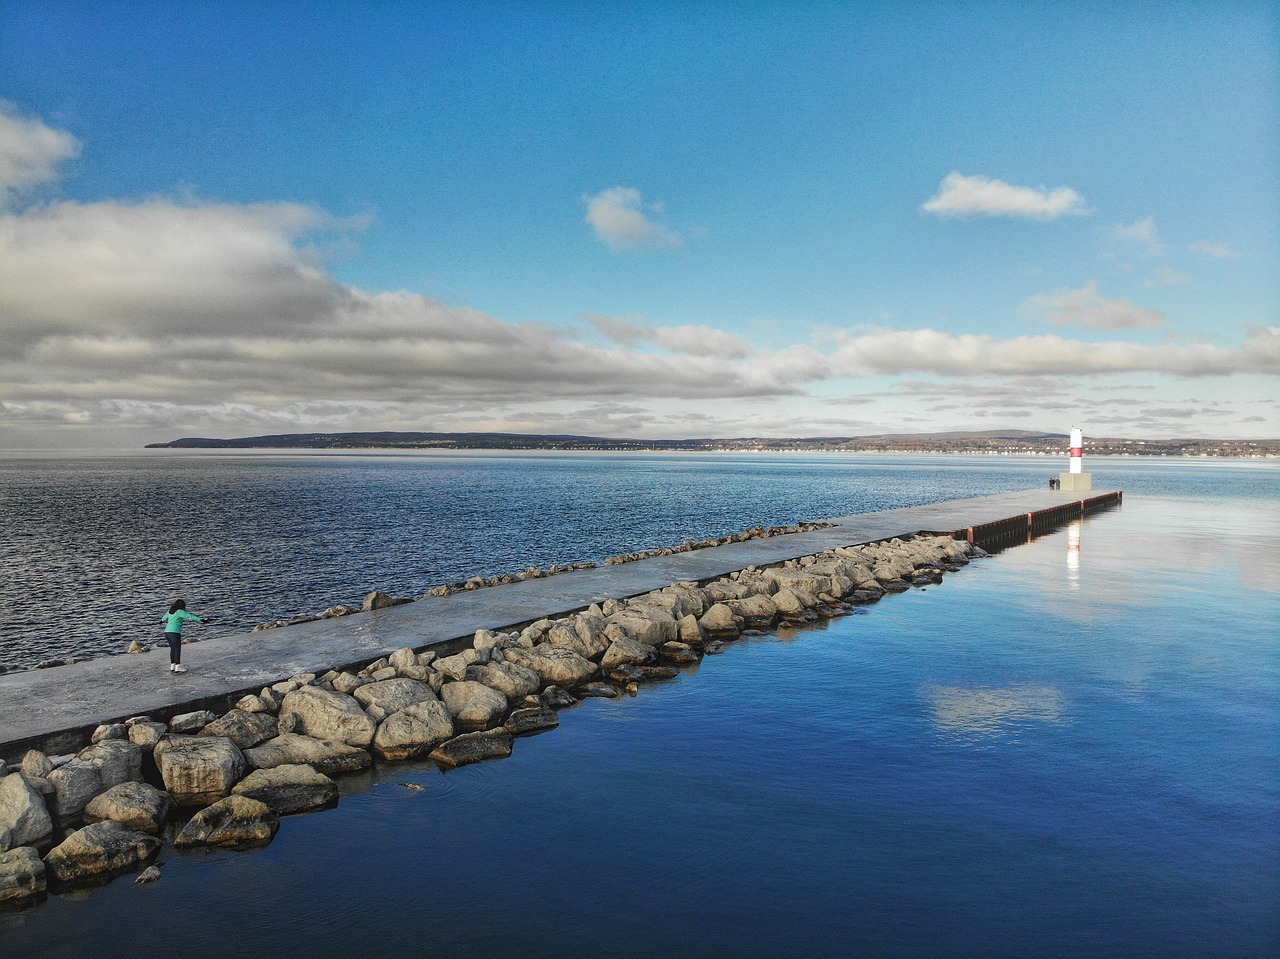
1084,307
30,153
962,197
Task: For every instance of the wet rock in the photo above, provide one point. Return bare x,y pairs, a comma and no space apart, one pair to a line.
148,875
557,697
382,699
326,715
199,770
244,729
289,789
679,653
22,876
473,748
473,705
136,806
24,818
413,730
596,691
524,722
323,755
716,646
99,850
236,822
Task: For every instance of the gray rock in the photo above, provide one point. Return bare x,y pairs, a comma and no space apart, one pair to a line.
382,699
557,697
402,658
147,734
245,729
199,770
553,664
325,715
136,806
23,815
455,666
289,789
99,850
653,627
413,730
473,748
150,874
94,770
190,723
36,763
473,706
323,755
22,876
588,640
253,704
525,722
236,822
597,691
510,680
109,731
625,652
349,682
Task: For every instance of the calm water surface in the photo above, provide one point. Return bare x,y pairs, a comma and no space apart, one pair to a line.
1071,749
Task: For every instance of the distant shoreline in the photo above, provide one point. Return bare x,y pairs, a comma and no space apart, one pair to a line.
1010,443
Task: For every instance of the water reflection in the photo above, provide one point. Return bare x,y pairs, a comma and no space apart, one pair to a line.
1073,555
975,715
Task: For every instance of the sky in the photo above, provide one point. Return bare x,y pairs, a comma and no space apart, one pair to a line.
667,219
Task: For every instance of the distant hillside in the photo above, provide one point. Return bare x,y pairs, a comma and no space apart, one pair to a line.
1009,441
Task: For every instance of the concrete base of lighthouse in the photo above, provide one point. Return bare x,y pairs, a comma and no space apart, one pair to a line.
1075,482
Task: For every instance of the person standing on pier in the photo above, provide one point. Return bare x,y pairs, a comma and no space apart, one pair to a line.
173,633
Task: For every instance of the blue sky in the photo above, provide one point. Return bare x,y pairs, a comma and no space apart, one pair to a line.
644,219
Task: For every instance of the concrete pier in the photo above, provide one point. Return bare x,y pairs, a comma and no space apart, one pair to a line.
57,709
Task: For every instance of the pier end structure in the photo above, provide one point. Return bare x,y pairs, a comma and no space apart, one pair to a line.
1075,479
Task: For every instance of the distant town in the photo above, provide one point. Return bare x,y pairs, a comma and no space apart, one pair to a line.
989,442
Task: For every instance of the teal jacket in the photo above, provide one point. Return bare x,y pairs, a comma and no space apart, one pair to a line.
173,621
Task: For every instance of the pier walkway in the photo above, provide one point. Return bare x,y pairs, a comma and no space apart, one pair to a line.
56,709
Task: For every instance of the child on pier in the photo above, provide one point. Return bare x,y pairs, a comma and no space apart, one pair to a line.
173,633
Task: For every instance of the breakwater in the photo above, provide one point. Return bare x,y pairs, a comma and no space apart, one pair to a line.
210,741
83,818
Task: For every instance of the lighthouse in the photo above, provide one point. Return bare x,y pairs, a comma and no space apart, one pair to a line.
1076,479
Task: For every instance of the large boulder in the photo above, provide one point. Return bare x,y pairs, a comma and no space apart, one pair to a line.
191,723
473,748
35,763
236,822
584,638
136,806
718,622
322,755
289,789
382,699
245,729
23,815
553,664
509,679
21,876
648,625
624,651
533,719
322,714
473,705
99,850
413,730
146,734
94,770
199,770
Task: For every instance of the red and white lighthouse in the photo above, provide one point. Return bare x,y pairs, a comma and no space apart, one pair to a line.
1076,479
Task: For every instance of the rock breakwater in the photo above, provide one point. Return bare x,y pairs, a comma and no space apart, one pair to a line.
226,781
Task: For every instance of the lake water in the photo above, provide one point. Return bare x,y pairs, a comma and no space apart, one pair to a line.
1070,749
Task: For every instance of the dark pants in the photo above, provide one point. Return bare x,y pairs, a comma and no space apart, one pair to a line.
175,647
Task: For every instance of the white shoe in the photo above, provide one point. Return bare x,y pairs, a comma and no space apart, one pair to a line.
179,669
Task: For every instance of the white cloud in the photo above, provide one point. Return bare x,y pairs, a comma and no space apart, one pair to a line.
30,153
1167,276
1219,251
1084,307
973,196
693,340
618,217
1141,237
896,352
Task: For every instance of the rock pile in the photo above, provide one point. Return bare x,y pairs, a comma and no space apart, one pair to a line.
91,816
